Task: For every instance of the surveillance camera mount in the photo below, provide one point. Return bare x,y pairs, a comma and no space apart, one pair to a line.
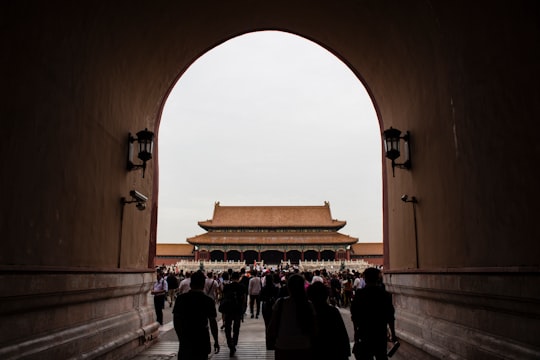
136,197
405,198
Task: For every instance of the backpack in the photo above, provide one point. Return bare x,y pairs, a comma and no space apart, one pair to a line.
268,295
172,282
231,302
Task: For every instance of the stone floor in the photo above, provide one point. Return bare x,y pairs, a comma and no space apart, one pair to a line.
251,343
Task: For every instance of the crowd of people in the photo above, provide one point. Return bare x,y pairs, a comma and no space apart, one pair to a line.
299,310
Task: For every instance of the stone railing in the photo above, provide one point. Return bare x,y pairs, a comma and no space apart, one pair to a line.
310,265
334,265
214,266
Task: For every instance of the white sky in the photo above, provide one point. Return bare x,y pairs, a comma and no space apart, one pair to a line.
269,118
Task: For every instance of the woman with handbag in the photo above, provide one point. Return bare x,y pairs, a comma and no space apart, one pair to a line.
293,329
332,340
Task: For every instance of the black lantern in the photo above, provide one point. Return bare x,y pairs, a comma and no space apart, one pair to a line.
392,138
145,139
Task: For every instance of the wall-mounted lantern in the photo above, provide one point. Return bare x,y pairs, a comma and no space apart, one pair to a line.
392,137
145,139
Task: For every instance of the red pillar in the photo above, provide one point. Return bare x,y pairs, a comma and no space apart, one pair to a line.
348,255
335,255
196,255
224,255
241,255
259,256
284,255
302,255
319,255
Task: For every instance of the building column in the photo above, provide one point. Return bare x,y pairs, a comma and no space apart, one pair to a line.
241,255
196,255
224,255
284,255
348,254
259,256
302,255
319,255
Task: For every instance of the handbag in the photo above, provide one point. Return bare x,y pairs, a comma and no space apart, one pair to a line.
273,327
359,350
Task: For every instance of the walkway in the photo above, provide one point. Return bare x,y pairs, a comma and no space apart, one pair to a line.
251,343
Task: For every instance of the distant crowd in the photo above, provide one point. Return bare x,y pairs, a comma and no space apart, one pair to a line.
299,310
341,284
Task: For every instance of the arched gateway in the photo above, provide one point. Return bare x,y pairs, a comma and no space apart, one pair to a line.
272,234
462,77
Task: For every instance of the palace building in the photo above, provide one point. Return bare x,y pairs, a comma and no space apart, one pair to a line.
272,234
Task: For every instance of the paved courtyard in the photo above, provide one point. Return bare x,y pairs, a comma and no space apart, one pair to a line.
251,344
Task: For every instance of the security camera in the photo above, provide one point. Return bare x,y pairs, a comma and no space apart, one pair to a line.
138,196
404,198
141,206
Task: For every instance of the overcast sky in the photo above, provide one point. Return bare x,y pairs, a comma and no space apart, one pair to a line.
269,118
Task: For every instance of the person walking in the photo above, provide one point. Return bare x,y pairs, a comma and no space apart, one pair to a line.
347,290
335,290
159,291
232,308
372,313
332,340
359,282
293,327
244,280
254,290
225,281
268,297
211,286
185,285
172,284
192,313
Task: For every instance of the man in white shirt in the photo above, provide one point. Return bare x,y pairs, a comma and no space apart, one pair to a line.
317,277
185,285
254,290
160,292
359,282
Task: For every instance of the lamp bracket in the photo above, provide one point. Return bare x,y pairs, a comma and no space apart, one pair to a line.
145,139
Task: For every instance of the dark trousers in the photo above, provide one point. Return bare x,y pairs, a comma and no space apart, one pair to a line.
252,300
190,349
159,304
232,322
372,348
267,312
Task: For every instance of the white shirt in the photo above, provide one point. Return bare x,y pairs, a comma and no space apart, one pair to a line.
161,285
359,283
185,286
254,287
210,288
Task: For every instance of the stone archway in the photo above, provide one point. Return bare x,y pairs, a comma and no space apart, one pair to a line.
328,255
107,70
311,255
272,257
250,256
217,255
233,255
294,256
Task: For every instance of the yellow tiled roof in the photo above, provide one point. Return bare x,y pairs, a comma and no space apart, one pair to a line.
174,249
272,217
367,249
271,238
